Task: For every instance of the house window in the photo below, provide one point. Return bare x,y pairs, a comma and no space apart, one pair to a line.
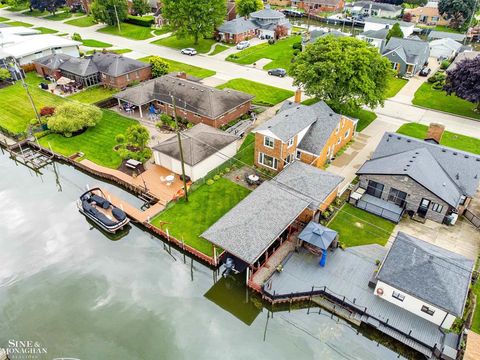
298,154
339,140
396,66
290,142
398,296
347,134
437,207
289,159
268,142
462,200
267,161
375,189
137,73
396,196
128,77
427,310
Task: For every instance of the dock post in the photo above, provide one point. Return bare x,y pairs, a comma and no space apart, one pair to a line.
191,267
183,247
310,300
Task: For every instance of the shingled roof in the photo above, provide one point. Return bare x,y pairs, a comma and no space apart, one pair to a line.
198,143
412,51
237,26
428,272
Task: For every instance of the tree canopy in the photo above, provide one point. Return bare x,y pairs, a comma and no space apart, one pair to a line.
194,18
140,7
245,7
395,31
133,145
464,81
103,11
159,66
73,116
47,5
457,11
344,72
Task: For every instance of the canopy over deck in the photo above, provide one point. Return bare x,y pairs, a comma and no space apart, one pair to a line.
318,235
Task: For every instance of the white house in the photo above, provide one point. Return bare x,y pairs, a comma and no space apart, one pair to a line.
444,48
425,279
374,23
376,38
370,8
204,149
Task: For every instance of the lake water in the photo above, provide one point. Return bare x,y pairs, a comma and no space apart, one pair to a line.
79,294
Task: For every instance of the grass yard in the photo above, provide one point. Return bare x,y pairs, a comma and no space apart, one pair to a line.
3,19
246,152
45,30
129,31
36,13
202,47
16,110
358,227
160,31
175,66
395,84
93,94
450,139
96,143
84,21
60,16
116,51
18,23
264,94
96,43
476,315
430,98
187,221
218,49
281,53
20,7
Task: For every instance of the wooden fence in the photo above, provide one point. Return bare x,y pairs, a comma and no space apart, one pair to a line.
474,219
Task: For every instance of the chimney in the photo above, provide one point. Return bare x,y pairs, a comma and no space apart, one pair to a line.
298,96
182,75
434,133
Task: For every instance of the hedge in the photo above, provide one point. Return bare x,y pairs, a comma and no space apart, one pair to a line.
135,20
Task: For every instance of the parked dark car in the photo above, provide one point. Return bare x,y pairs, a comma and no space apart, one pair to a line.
278,72
425,71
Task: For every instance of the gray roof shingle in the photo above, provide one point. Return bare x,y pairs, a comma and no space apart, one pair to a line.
237,26
428,272
376,34
443,34
377,20
53,61
267,14
198,143
416,51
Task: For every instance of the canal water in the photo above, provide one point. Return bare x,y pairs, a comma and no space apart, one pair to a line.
79,294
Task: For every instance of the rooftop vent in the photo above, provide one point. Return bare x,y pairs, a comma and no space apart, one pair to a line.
455,153
389,135
466,156
457,176
408,140
444,150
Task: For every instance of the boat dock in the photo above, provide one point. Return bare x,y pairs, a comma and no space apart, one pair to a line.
32,157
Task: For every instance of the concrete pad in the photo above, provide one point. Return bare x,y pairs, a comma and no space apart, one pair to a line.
213,81
135,55
261,63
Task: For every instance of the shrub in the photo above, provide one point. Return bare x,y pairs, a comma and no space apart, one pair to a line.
4,74
438,85
135,20
76,37
216,177
330,208
296,52
326,214
73,116
159,66
297,45
210,182
120,138
445,64
271,41
47,111
227,170
439,76
133,83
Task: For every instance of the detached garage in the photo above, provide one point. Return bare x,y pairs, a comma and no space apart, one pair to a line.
204,149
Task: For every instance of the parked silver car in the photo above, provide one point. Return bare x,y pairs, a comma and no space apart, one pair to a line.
243,45
189,51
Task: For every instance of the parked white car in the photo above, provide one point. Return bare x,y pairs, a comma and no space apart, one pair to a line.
189,51
243,45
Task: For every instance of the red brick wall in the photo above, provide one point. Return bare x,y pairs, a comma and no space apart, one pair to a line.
121,82
42,71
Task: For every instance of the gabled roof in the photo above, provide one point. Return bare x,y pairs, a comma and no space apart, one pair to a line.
267,14
376,6
115,64
257,221
53,61
26,45
428,272
315,34
192,96
377,20
376,34
462,167
413,51
198,143
79,66
442,35
311,181
237,26
446,42
463,56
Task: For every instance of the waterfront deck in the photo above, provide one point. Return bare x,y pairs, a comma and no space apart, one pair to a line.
347,274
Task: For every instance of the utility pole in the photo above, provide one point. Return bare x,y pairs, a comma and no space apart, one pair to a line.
118,21
179,137
25,86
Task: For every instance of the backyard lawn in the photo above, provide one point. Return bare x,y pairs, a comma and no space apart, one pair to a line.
264,94
96,143
430,98
476,315
176,66
45,30
36,13
20,7
187,221
93,94
246,152
18,23
84,21
358,227
96,43
395,84
281,53
116,51
61,16
16,111
450,139
202,47
129,31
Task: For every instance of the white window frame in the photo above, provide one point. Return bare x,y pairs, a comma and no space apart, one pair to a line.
398,295
339,140
267,139
427,310
290,142
298,155
437,207
261,158
347,133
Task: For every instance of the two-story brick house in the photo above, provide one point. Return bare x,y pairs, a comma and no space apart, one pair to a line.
312,134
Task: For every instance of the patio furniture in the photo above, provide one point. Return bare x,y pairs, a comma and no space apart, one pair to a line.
170,178
252,179
132,164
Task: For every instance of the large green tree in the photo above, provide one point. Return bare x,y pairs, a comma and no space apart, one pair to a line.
344,72
194,18
395,31
106,11
245,7
159,66
73,116
457,11
140,7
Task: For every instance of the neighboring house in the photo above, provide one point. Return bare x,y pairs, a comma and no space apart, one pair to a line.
317,34
370,8
320,5
427,180
267,20
109,69
195,102
374,23
312,134
434,35
204,148
462,56
427,15
280,2
6,62
408,56
236,30
444,48
425,279
376,38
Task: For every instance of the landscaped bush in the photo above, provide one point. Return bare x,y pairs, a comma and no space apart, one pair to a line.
134,145
71,117
159,66
47,111
76,37
137,20
271,41
227,169
210,182
445,64
439,76
297,46
216,177
296,52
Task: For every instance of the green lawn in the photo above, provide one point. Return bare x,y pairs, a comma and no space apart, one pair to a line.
395,84
18,23
447,29
59,16
96,143
175,66
453,140
3,19
246,152
84,21
93,94
264,94
476,316
20,7
36,13
187,221
160,31
430,98
281,53
116,51
16,111
45,30
129,31
96,43
202,47
218,49
358,227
